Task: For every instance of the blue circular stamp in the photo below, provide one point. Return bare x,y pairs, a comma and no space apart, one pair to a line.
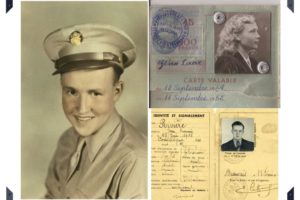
168,30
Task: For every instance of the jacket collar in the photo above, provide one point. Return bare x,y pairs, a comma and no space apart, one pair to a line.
96,141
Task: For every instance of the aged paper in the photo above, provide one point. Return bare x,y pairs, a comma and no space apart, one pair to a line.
189,160
198,59
180,155
43,119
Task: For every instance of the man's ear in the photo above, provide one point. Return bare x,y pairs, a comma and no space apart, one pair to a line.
118,89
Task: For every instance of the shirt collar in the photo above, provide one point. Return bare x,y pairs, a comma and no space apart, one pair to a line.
96,141
234,141
246,59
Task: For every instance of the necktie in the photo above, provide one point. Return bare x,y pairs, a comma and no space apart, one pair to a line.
76,156
238,145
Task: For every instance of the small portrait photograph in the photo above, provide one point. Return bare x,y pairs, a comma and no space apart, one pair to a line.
243,43
237,134
84,100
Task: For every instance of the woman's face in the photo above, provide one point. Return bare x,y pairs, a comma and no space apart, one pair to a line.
249,37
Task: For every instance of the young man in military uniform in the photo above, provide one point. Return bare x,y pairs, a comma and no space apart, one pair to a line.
101,155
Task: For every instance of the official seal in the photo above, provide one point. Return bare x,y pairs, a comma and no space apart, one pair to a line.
168,30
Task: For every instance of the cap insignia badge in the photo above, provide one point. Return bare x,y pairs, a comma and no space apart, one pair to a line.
75,38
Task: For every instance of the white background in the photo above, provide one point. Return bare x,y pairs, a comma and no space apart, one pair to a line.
10,102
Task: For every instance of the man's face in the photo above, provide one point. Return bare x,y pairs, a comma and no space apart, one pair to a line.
89,97
237,132
249,37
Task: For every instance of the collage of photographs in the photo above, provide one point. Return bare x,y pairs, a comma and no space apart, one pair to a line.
152,99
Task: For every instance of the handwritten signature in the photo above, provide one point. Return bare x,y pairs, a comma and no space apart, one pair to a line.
262,190
180,196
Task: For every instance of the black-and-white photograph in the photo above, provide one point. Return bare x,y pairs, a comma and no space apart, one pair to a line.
237,134
242,43
84,100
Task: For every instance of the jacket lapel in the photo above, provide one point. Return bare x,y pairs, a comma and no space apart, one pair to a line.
242,63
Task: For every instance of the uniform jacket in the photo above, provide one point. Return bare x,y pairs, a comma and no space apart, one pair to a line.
113,164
